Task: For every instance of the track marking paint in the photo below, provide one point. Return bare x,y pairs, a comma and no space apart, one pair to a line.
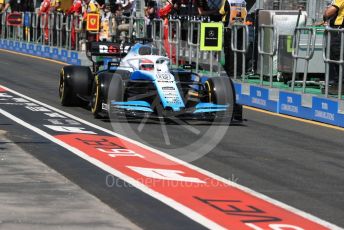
294,118
131,176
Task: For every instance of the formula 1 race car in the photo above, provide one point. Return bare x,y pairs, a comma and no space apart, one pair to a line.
137,81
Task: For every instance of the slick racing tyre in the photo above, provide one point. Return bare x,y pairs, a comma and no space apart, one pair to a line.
106,87
96,102
220,91
74,81
115,91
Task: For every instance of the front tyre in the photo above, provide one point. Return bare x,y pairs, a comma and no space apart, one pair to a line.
220,91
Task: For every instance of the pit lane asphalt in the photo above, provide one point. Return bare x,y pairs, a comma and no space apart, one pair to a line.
297,163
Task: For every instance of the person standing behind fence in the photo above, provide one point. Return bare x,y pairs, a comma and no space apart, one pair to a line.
2,5
44,10
334,13
150,14
171,9
76,11
104,34
55,6
229,17
8,6
90,7
203,9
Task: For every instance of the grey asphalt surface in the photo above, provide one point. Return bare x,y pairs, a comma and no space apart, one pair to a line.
33,196
296,163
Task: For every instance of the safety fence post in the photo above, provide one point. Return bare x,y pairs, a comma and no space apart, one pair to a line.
327,59
20,29
236,50
9,30
34,25
3,25
158,38
78,31
69,24
140,27
59,27
194,25
43,24
264,30
51,26
174,27
310,43
121,27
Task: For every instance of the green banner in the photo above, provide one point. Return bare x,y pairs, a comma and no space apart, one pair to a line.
211,36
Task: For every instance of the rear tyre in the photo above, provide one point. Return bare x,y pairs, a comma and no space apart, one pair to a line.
66,94
74,81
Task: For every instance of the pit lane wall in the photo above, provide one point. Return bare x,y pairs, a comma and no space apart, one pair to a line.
59,54
304,106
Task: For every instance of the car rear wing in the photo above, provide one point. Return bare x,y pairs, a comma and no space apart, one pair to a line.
110,49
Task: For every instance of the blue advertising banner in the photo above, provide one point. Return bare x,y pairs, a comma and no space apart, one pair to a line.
39,50
325,110
17,46
46,52
74,59
291,104
237,91
64,55
4,44
11,45
31,49
259,97
55,54
24,47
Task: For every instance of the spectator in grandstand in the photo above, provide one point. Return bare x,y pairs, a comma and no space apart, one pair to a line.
334,14
44,10
231,13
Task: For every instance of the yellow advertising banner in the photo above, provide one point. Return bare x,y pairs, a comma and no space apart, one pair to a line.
93,21
211,36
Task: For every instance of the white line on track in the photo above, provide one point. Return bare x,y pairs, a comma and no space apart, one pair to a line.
181,208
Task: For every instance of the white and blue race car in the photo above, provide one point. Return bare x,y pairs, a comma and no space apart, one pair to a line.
140,82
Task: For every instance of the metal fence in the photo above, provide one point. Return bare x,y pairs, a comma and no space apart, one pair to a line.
180,39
